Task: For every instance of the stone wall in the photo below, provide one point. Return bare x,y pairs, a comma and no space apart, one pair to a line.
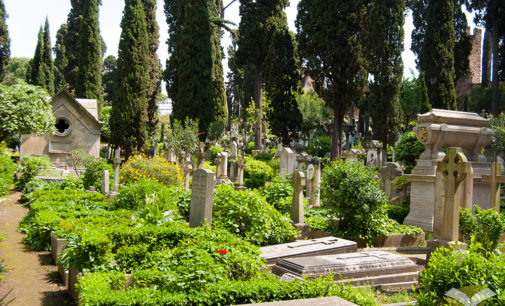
473,78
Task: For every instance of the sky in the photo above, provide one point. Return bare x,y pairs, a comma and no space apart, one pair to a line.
26,17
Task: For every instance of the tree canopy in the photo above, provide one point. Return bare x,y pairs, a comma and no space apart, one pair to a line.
5,51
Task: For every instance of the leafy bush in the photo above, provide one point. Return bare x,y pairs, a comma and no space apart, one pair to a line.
140,167
214,150
354,195
7,169
256,173
279,193
29,167
450,268
408,150
250,147
324,146
275,164
397,212
263,156
94,168
248,215
486,226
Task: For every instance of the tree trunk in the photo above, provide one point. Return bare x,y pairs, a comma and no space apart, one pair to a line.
487,53
336,136
495,83
258,102
384,153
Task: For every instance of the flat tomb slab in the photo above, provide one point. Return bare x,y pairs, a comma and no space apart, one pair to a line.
312,247
350,265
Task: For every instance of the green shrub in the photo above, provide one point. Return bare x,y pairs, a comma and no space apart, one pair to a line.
279,193
250,147
256,173
140,167
263,156
248,215
451,268
324,146
214,150
486,226
397,212
29,167
7,170
408,150
354,195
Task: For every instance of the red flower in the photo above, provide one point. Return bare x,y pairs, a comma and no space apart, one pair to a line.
223,252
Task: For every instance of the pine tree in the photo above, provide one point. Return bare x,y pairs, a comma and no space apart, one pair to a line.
282,82
60,61
332,46
47,60
154,65
386,66
4,41
259,21
89,78
128,120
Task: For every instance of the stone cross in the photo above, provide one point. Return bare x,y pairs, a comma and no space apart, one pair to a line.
105,182
298,182
117,162
241,166
224,164
454,168
200,212
302,161
495,180
388,174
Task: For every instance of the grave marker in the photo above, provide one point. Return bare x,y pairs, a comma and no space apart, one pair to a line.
117,162
495,180
105,182
388,174
287,161
201,198
298,182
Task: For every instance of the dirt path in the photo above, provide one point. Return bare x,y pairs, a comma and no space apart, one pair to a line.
30,275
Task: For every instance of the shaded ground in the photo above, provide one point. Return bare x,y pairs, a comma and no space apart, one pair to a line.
30,275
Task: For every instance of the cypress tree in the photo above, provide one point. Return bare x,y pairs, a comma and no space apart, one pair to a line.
423,95
438,47
282,82
386,66
89,78
128,120
47,60
72,43
5,51
60,61
154,65
259,21
109,72
34,74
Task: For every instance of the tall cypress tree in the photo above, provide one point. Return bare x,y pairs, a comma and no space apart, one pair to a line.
154,65
89,78
282,82
60,60
34,74
72,43
5,50
259,21
128,120
386,66
47,60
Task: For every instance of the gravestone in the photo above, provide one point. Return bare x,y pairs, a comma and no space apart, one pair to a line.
314,181
240,166
495,180
372,158
200,212
201,155
105,182
222,178
116,162
352,154
388,174
233,150
304,248
302,161
188,168
287,161
170,156
218,162
298,181
372,268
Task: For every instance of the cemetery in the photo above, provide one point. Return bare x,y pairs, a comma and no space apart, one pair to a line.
314,174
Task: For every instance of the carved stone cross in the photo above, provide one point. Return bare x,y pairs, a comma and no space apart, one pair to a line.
454,168
495,180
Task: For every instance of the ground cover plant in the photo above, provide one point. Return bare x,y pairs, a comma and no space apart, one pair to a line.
29,167
7,169
257,173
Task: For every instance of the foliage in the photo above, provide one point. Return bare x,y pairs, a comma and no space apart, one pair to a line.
246,214
408,150
263,156
29,167
25,109
7,170
5,51
15,72
354,195
183,138
60,60
324,146
256,173
139,167
397,212
128,121
450,268
485,227
314,112
105,129
93,168
214,150
498,126
40,70
324,37
108,75
278,193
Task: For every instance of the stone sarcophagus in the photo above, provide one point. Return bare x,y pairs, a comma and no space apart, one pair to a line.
439,129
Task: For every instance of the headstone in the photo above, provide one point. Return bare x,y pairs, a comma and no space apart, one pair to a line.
298,182
117,162
495,180
201,155
301,161
105,182
388,174
188,168
201,198
304,248
315,186
372,158
233,150
171,157
218,162
359,265
92,189
240,166
287,161
224,164
454,168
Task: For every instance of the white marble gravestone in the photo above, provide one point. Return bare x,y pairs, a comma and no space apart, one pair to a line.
200,212
287,161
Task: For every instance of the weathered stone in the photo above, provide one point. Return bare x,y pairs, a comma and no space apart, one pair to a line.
298,181
388,174
495,180
105,182
304,248
117,162
324,301
201,198
287,163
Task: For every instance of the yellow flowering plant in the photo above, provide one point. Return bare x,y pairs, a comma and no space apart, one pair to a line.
140,167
